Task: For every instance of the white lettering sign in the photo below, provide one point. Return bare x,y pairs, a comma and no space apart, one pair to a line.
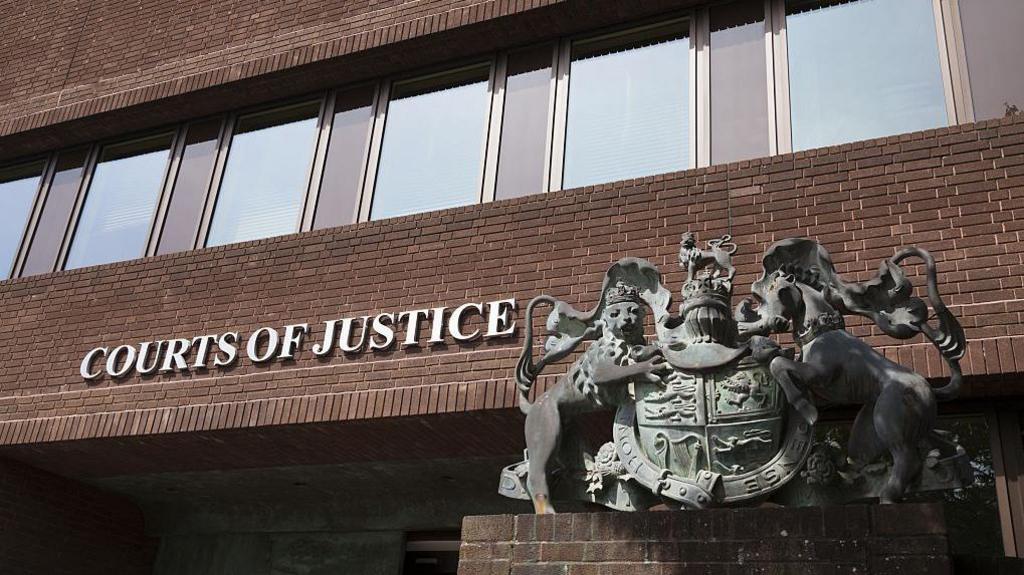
348,335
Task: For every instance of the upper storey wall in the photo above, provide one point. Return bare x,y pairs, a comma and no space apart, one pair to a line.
138,64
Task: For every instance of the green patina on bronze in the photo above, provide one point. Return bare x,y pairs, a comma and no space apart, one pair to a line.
714,412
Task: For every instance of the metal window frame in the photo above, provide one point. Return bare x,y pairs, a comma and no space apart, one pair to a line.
775,13
952,62
700,88
956,51
227,133
44,196
562,74
373,157
224,150
492,135
498,116
943,44
86,184
325,123
560,114
549,136
378,92
952,67
492,143
76,210
772,81
177,150
38,201
172,179
312,205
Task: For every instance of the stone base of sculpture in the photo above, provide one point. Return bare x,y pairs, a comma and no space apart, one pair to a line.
862,539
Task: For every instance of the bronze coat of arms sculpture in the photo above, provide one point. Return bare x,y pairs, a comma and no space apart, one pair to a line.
713,412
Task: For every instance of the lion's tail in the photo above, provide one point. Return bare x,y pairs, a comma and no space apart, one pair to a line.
948,337
527,371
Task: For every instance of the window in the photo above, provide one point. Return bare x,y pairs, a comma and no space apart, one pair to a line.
432,152
18,187
53,222
185,211
628,109
994,44
739,82
566,114
862,69
266,175
338,202
120,202
522,154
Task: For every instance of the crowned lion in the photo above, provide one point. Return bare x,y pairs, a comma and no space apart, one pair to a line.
599,379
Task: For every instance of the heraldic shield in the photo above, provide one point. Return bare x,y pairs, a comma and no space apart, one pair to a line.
715,427
722,435
710,411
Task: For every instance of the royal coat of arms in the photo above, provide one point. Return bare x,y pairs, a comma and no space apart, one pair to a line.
712,412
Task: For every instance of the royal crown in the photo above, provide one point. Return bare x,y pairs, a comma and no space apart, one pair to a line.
622,293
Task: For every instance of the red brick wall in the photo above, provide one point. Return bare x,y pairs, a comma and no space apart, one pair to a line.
74,70
958,192
61,54
56,526
909,539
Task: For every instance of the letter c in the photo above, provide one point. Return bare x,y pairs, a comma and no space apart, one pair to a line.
87,361
455,322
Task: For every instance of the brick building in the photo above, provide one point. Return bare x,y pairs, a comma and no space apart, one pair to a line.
176,170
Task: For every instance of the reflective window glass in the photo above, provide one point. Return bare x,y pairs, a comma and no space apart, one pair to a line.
994,44
338,202
628,110
185,210
862,69
266,175
739,82
522,153
115,221
53,221
432,153
18,187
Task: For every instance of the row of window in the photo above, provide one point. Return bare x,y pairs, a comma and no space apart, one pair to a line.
736,80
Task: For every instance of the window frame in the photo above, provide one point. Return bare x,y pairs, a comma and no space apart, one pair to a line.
42,190
563,69
224,150
87,176
776,81
488,169
178,151
944,22
952,63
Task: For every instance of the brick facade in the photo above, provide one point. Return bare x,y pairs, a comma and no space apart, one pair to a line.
956,191
79,71
53,525
891,539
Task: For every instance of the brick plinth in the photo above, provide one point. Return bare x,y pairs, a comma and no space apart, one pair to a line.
892,539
